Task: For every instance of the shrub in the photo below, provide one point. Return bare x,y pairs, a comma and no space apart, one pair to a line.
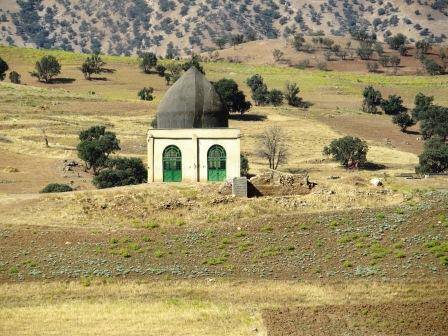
14,77
259,89
47,68
349,151
434,158
292,96
372,99
365,50
321,65
275,97
233,98
95,146
121,171
393,105
372,66
93,65
403,120
244,165
56,188
146,94
3,68
432,67
397,41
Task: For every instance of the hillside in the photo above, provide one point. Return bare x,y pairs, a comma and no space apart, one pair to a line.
180,27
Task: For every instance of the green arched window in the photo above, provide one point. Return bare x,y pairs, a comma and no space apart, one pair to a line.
216,163
172,164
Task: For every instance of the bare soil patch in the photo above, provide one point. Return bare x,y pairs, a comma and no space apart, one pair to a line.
388,319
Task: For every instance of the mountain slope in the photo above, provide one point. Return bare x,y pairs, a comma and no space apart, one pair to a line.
125,26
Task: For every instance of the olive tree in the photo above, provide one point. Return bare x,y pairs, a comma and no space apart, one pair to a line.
46,68
348,151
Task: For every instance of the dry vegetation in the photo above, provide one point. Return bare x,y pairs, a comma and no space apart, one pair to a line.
137,227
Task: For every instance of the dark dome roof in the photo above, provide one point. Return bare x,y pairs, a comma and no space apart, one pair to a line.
191,102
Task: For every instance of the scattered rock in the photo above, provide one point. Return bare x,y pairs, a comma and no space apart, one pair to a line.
376,182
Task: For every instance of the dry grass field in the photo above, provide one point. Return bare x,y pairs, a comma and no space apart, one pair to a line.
184,260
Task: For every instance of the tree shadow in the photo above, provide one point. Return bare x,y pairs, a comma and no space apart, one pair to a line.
411,132
248,117
62,80
98,79
373,166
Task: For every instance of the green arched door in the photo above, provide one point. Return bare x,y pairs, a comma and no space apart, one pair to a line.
172,164
216,163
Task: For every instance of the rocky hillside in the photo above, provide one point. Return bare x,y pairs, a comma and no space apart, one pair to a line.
179,27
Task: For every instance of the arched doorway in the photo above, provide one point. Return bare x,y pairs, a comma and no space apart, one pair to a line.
216,164
172,164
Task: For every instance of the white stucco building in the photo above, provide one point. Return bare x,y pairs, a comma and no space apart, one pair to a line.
192,141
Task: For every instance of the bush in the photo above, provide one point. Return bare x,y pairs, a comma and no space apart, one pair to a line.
120,172
434,158
349,151
47,68
14,77
323,66
275,97
95,146
146,94
432,67
397,41
3,68
56,188
233,98
259,89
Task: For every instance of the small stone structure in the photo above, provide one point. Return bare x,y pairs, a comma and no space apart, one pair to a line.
274,183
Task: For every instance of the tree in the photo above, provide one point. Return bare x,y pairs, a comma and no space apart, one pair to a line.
56,188
365,50
259,89
172,73
146,93
14,77
372,66
422,48
148,61
434,158
160,69
193,61
393,105
292,96
237,39
298,42
395,62
3,68
435,122
397,41
384,60
278,55
233,98
403,120
95,146
47,68
275,97
422,104
378,48
121,171
93,65
372,99
348,151
432,67
273,146
444,58
221,42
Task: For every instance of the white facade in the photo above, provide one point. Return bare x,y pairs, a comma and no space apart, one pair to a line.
194,145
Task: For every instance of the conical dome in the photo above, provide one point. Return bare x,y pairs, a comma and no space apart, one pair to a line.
191,102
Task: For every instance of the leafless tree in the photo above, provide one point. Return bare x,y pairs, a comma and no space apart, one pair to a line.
273,146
